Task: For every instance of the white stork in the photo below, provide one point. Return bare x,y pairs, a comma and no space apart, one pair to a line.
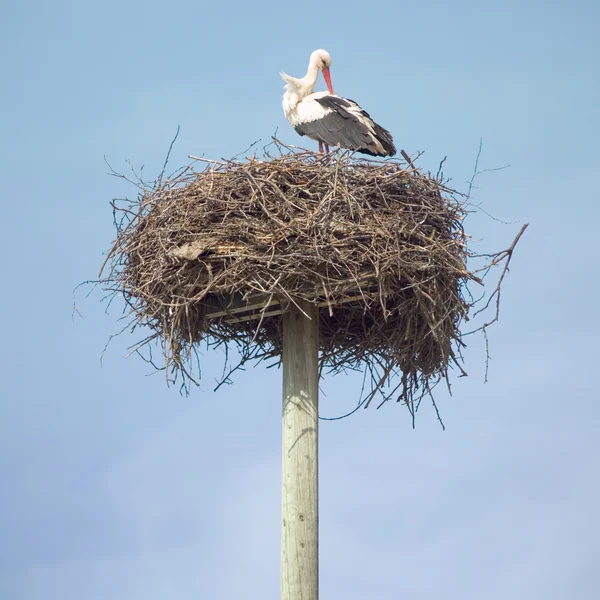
329,119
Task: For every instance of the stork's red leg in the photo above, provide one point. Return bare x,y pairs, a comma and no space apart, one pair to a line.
326,149
320,147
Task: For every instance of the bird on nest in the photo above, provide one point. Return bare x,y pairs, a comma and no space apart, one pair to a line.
328,118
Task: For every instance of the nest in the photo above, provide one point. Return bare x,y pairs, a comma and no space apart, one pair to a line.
216,256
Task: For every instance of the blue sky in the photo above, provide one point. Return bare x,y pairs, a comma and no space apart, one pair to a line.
113,486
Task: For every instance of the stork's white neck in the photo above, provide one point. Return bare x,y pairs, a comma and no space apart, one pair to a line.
297,89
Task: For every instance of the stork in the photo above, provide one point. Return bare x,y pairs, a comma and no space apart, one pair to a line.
330,119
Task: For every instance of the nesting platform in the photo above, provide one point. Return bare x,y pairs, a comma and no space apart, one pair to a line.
216,253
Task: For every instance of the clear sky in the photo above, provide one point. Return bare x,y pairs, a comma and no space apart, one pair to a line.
114,487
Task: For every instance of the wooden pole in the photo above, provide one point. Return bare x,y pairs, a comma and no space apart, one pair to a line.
300,492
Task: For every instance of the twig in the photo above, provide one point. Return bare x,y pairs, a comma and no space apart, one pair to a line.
408,159
162,172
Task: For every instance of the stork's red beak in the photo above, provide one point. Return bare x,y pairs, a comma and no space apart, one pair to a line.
327,77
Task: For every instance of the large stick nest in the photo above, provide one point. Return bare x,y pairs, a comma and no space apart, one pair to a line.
378,246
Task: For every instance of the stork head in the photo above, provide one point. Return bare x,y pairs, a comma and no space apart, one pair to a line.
322,60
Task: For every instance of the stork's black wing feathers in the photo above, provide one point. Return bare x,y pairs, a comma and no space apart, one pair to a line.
334,129
344,127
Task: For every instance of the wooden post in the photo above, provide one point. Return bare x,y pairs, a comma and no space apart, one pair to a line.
300,492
